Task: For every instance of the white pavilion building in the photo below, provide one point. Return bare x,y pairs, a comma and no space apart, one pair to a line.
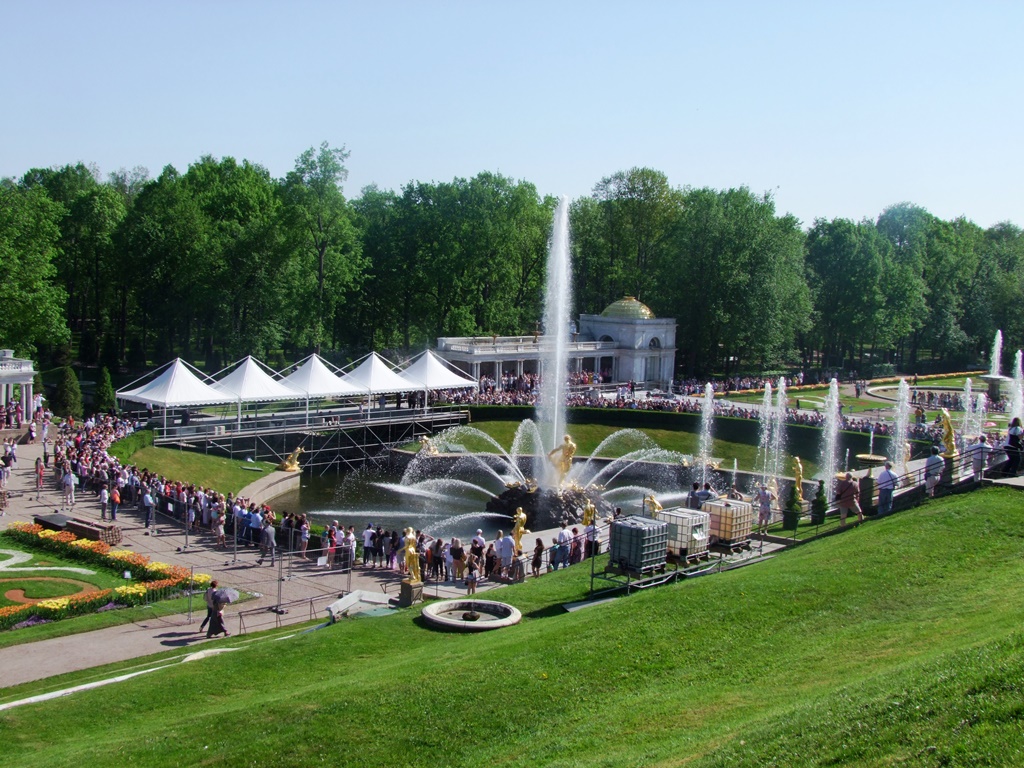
626,342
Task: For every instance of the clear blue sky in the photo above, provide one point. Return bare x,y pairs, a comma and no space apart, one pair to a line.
837,109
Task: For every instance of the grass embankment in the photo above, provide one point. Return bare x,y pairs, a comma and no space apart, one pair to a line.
897,642
588,436
217,472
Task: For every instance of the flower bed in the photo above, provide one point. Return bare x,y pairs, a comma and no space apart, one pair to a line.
158,581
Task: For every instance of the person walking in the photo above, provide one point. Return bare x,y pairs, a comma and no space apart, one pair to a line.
268,543
848,498
208,597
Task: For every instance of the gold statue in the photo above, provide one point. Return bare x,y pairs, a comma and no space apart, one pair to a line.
798,476
564,461
653,505
589,513
519,527
427,446
291,464
412,557
948,440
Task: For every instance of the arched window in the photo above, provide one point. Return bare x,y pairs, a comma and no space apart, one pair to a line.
655,343
606,337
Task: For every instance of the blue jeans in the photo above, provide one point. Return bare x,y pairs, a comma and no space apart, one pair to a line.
884,501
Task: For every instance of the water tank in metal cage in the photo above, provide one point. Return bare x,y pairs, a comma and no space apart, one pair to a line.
638,543
688,531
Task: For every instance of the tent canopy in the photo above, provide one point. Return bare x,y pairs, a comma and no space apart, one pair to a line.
428,372
249,383
373,375
314,379
176,387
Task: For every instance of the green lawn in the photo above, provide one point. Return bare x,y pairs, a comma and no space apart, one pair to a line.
895,643
25,579
224,475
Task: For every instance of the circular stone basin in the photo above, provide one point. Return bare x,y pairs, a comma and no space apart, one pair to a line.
471,615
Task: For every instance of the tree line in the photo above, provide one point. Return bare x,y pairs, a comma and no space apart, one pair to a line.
224,260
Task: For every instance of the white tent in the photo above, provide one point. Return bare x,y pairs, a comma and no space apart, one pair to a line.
373,375
313,378
428,372
176,387
249,383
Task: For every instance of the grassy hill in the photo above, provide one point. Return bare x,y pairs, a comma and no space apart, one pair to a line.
896,643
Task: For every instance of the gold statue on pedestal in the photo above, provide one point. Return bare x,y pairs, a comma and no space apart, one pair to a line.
427,446
948,439
565,453
519,527
291,464
589,513
412,557
798,477
653,505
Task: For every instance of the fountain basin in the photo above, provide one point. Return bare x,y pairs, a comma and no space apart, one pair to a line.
471,615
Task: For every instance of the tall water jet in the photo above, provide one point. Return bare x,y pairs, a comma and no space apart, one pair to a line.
779,429
1017,389
829,460
898,442
707,417
967,424
555,347
997,354
764,433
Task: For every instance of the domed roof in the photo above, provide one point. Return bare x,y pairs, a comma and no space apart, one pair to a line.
628,308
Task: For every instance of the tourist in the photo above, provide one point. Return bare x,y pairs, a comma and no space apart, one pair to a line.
505,547
591,544
564,540
933,469
538,558
706,494
369,551
40,474
104,501
268,543
575,547
67,484
476,546
218,528
396,547
491,562
210,604
888,482
472,574
458,553
516,571
848,498
764,496
693,497
978,454
303,536
217,621
1014,446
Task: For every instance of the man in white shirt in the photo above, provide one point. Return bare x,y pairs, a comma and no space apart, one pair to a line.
368,548
564,542
888,481
979,456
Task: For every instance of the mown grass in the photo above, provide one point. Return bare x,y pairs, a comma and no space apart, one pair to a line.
895,643
222,474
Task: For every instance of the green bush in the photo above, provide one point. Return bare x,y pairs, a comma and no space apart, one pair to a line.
126,447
